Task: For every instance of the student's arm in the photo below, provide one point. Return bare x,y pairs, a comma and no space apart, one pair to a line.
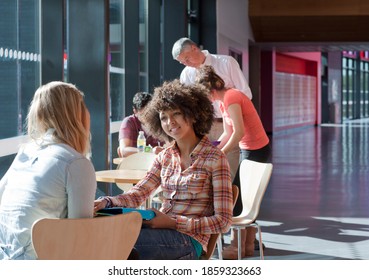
81,189
224,137
235,113
127,137
137,194
126,147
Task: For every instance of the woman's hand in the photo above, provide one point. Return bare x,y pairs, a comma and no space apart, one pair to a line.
161,220
99,204
157,149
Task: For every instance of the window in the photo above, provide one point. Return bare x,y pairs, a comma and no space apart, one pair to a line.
348,87
364,89
237,55
116,61
19,62
355,89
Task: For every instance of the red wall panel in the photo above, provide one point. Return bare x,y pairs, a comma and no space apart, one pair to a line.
295,92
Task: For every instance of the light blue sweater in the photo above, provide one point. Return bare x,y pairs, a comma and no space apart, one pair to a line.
44,181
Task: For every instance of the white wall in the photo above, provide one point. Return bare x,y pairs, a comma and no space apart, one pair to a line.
233,29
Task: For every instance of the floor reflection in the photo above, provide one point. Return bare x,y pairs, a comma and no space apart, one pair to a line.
317,202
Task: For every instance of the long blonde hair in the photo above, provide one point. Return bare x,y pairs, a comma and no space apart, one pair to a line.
60,106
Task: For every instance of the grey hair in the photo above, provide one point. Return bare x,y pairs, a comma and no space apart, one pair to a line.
181,45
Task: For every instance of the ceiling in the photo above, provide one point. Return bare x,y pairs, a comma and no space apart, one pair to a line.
313,46
310,25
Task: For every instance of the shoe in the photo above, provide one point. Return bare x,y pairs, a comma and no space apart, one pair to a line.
231,252
247,248
256,245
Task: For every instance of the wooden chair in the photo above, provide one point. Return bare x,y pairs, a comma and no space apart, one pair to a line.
140,161
102,238
137,161
215,238
254,177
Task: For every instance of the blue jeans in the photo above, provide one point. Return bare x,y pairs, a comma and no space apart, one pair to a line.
164,244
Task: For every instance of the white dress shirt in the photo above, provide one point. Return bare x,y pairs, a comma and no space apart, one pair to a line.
226,67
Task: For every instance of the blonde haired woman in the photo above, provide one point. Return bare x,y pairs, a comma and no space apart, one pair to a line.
51,176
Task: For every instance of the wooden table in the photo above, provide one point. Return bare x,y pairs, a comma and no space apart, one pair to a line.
131,176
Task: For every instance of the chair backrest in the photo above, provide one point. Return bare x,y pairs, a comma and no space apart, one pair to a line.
102,238
137,161
254,178
141,161
214,237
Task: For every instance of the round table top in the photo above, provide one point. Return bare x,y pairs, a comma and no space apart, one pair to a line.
132,176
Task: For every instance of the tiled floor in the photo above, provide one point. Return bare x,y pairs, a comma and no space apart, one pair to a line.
317,203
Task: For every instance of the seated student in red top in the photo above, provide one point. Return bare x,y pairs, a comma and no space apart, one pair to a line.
193,174
131,126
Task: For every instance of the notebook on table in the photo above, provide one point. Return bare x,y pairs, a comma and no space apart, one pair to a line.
145,214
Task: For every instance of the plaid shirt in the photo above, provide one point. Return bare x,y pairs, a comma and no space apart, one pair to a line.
199,198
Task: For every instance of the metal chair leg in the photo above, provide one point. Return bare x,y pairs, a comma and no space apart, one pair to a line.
261,249
219,245
239,243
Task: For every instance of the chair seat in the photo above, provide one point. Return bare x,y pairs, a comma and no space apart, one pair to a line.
241,221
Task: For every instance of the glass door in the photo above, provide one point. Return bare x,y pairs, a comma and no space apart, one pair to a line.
364,89
348,87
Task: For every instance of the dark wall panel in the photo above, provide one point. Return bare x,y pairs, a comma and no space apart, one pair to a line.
208,25
52,41
88,39
154,46
174,27
131,47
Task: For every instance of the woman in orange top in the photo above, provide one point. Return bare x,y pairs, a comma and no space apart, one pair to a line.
242,127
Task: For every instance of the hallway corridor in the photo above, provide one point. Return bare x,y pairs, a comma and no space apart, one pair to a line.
317,203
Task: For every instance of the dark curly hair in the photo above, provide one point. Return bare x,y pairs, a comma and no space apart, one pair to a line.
141,99
192,100
207,77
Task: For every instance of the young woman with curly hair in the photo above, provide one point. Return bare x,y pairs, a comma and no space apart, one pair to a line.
193,174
